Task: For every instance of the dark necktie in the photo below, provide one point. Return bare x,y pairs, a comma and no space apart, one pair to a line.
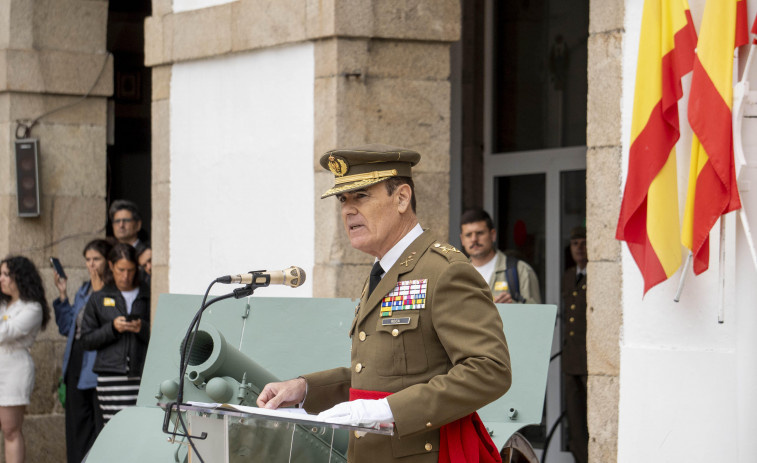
579,277
376,273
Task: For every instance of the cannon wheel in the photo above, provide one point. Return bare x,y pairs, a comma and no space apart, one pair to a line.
517,449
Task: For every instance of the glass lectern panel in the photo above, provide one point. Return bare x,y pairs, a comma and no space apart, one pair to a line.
233,436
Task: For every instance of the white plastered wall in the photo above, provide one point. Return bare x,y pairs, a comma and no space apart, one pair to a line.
242,168
687,382
186,5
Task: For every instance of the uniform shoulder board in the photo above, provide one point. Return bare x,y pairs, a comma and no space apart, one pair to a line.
448,251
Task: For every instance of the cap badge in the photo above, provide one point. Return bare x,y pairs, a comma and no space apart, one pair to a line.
338,165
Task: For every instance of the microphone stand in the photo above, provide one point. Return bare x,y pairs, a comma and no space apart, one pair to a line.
186,347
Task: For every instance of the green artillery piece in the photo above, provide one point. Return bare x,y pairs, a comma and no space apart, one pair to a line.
286,337
221,370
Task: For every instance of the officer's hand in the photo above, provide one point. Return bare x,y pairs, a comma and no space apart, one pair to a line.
282,394
359,412
503,298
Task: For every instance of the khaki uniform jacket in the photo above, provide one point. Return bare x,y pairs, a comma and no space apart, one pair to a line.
573,324
527,279
441,362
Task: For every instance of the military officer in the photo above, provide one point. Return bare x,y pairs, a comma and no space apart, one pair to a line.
574,346
428,348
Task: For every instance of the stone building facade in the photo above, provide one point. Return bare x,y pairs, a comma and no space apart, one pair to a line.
381,72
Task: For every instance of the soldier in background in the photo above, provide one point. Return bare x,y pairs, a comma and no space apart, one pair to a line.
574,346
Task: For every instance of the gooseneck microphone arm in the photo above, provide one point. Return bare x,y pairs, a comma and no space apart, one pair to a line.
186,346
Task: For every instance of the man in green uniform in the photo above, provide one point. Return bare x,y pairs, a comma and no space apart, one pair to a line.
574,346
428,348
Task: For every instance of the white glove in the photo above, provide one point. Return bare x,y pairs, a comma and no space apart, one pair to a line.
360,412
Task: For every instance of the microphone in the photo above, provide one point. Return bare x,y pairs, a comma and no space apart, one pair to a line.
292,277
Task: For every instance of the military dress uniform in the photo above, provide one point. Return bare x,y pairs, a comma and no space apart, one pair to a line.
442,359
574,361
429,333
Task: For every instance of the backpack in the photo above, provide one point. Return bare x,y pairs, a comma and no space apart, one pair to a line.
511,273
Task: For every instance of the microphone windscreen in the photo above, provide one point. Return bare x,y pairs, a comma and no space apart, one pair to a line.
296,276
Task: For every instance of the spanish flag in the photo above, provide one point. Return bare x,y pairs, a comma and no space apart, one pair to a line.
648,219
712,188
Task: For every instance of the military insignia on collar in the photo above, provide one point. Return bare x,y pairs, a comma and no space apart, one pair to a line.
109,302
338,165
445,249
406,262
407,295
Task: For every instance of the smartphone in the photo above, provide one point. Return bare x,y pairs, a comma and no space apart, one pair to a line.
55,263
131,317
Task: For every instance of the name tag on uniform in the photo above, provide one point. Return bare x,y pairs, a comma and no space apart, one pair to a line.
395,321
109,302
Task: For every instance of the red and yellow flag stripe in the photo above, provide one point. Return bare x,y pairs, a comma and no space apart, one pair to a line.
648,219
712,189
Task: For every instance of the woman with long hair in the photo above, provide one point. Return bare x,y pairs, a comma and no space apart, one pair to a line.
23,313
82,410
116,323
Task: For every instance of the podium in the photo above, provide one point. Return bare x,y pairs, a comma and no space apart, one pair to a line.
236,434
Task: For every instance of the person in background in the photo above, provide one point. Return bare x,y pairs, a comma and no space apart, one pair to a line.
478,235
116,323
573,359
127,223
23,313
144,258
83,421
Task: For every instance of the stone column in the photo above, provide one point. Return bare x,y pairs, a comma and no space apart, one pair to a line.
382,76
603,195
52,52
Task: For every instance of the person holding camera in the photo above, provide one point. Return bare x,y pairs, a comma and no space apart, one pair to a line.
82,410
116,323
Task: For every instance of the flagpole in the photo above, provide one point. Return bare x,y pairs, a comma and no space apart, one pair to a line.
741,93
721,273
683,277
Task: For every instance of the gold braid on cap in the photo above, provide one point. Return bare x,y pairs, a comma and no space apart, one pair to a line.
367,176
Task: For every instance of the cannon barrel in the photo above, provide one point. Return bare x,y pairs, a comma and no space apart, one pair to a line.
211,356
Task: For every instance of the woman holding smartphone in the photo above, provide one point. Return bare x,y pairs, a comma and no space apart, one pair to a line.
116,323
23,313
83,421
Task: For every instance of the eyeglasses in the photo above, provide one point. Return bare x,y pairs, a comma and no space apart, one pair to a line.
123,221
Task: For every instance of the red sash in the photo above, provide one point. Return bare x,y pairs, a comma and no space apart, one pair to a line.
463,441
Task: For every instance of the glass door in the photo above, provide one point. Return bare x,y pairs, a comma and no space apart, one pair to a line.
522,134
537,198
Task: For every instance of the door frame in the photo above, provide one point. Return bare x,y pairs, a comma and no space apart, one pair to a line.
551,163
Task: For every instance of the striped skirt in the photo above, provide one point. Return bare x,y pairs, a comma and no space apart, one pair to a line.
116,393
